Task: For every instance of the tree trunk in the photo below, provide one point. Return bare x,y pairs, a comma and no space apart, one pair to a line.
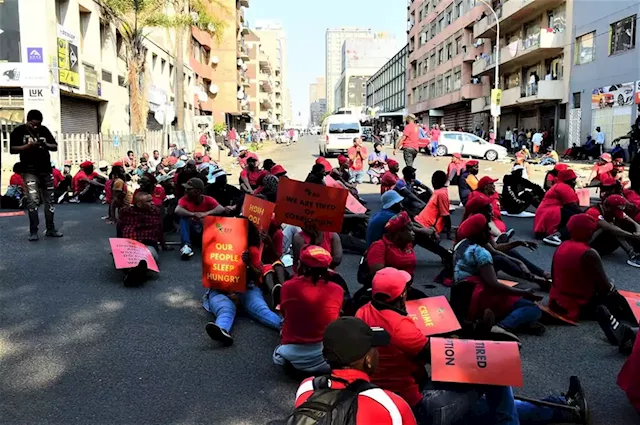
180,78
137,111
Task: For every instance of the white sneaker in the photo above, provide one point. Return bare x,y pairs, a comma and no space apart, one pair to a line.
61,198
634,261
553,239
74,200
186,252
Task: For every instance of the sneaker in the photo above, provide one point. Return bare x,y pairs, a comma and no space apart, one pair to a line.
576,398
553,240
53,233
61,198
74,200
216,333
501,334
627,341
634,261
186,252
612,328
275,295
509,233
33,237
137,275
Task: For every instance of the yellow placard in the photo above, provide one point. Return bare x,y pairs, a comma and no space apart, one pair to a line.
496,97
63,54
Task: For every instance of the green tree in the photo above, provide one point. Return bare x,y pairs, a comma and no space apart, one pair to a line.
325,115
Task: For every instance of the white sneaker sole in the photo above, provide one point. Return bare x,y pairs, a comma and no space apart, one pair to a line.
632,264
551,242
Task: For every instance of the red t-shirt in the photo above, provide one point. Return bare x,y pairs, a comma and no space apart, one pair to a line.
242,160
308,308
375,407
16,180
595,213
254,177
357,160
412,134
57,177
547,218
158,196
277,238
388,181
207,204
383,251
397,370
79,185
437,207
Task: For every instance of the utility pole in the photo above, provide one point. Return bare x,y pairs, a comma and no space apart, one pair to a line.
180,6
496,82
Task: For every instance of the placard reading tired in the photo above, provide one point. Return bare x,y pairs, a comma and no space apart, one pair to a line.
476,362
128,253
223,242
303,204
258,211
433,315
633,299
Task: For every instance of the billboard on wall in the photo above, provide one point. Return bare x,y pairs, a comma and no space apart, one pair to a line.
20,74
613,96
638,92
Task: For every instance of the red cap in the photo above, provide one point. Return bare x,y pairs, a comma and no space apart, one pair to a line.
566,175
561,167
398,222
608,182
342,159
86,164
472,226
606,157
391,282
486,181
206,159
456,155
617,203
198,155
472,163
392,163
278,169
581,227
476,203
315,257
117,164
327,165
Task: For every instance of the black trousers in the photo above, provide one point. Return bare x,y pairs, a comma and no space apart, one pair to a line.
409,155
39,188
63,188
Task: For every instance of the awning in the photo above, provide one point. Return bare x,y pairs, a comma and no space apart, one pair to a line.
390,114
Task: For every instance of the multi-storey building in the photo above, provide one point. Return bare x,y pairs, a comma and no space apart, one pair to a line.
605,76
440,85
317,90
386,89
334,39
317,101
251,53
316,110
535,60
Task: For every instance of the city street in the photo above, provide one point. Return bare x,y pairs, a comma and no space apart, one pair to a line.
76,347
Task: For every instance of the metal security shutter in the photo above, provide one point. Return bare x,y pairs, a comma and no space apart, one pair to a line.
78,116
458,117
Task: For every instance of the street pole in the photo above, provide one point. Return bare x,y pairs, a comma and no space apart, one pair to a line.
496,83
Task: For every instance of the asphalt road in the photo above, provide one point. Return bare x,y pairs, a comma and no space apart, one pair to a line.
76,347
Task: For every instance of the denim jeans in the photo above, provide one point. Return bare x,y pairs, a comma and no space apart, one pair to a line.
252,301
39,188
303,357
356,176
188,228
524,312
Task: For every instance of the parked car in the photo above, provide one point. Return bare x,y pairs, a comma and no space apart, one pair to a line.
282,137
468,144
338,132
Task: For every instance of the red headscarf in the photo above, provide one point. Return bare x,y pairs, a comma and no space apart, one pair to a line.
472,227
398,222
581,227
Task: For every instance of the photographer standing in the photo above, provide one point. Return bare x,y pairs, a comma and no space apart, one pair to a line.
33,141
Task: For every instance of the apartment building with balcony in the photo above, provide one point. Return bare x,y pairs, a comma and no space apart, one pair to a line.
535,61
440,85
386,89
219,64
605,73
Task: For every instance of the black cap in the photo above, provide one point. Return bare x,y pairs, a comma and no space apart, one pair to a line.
349,339
194,183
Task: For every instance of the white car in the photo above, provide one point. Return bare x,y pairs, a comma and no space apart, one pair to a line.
468,144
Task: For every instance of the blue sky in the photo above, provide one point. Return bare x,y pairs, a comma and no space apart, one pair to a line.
305,23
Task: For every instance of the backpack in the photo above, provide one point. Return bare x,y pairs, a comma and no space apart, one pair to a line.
328,406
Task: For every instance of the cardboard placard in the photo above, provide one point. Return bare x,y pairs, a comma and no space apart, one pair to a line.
555,315
258,211
633,299
476,362
509,283
433,315
12,214
353,204
584,197
128,253
303,204
223,241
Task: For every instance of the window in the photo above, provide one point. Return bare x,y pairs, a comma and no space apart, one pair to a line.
459,12
447,84
623,35
440,56
585,49
576,100
457,78
449,51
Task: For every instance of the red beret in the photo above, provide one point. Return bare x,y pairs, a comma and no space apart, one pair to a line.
618,204
117,164
456,155
327,165
566,175
278,169
398,222
581,227
471,227
608,182
86,164
391,282
315,257
472,162
486,181
392,163
561,167
206,159
342,159
476,203
198,155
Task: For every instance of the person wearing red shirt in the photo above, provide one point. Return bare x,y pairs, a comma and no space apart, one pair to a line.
251,176
455,168
16,178
357,154
409,143
192,208
223,304
244,155
14,196
486,187
601,170
351,350
436,214
558,205
389,179
86,186
308,303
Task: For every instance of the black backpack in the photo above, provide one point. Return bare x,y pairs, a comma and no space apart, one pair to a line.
328,406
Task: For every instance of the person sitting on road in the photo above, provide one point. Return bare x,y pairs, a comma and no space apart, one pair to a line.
141,222
519,193
601,170
357,156
474,265
521,160
192,209
615,229
269,188
227,195
268,164
416,195
308,303
278,171
149,184
223,304
402,370
436,213
119,192
487,187
342,175
251,176
350,350
330,241
318,173
551,177
86,186
550,158
183,174
377,162
558,205
455,169
244,155
389,179
15,194
580,282
468,180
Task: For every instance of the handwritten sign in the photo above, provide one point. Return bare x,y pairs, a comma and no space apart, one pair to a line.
258,211
12,214
546,310
305,204
353,204
633,299
223,242
584,197
433,315
128,253
476,362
